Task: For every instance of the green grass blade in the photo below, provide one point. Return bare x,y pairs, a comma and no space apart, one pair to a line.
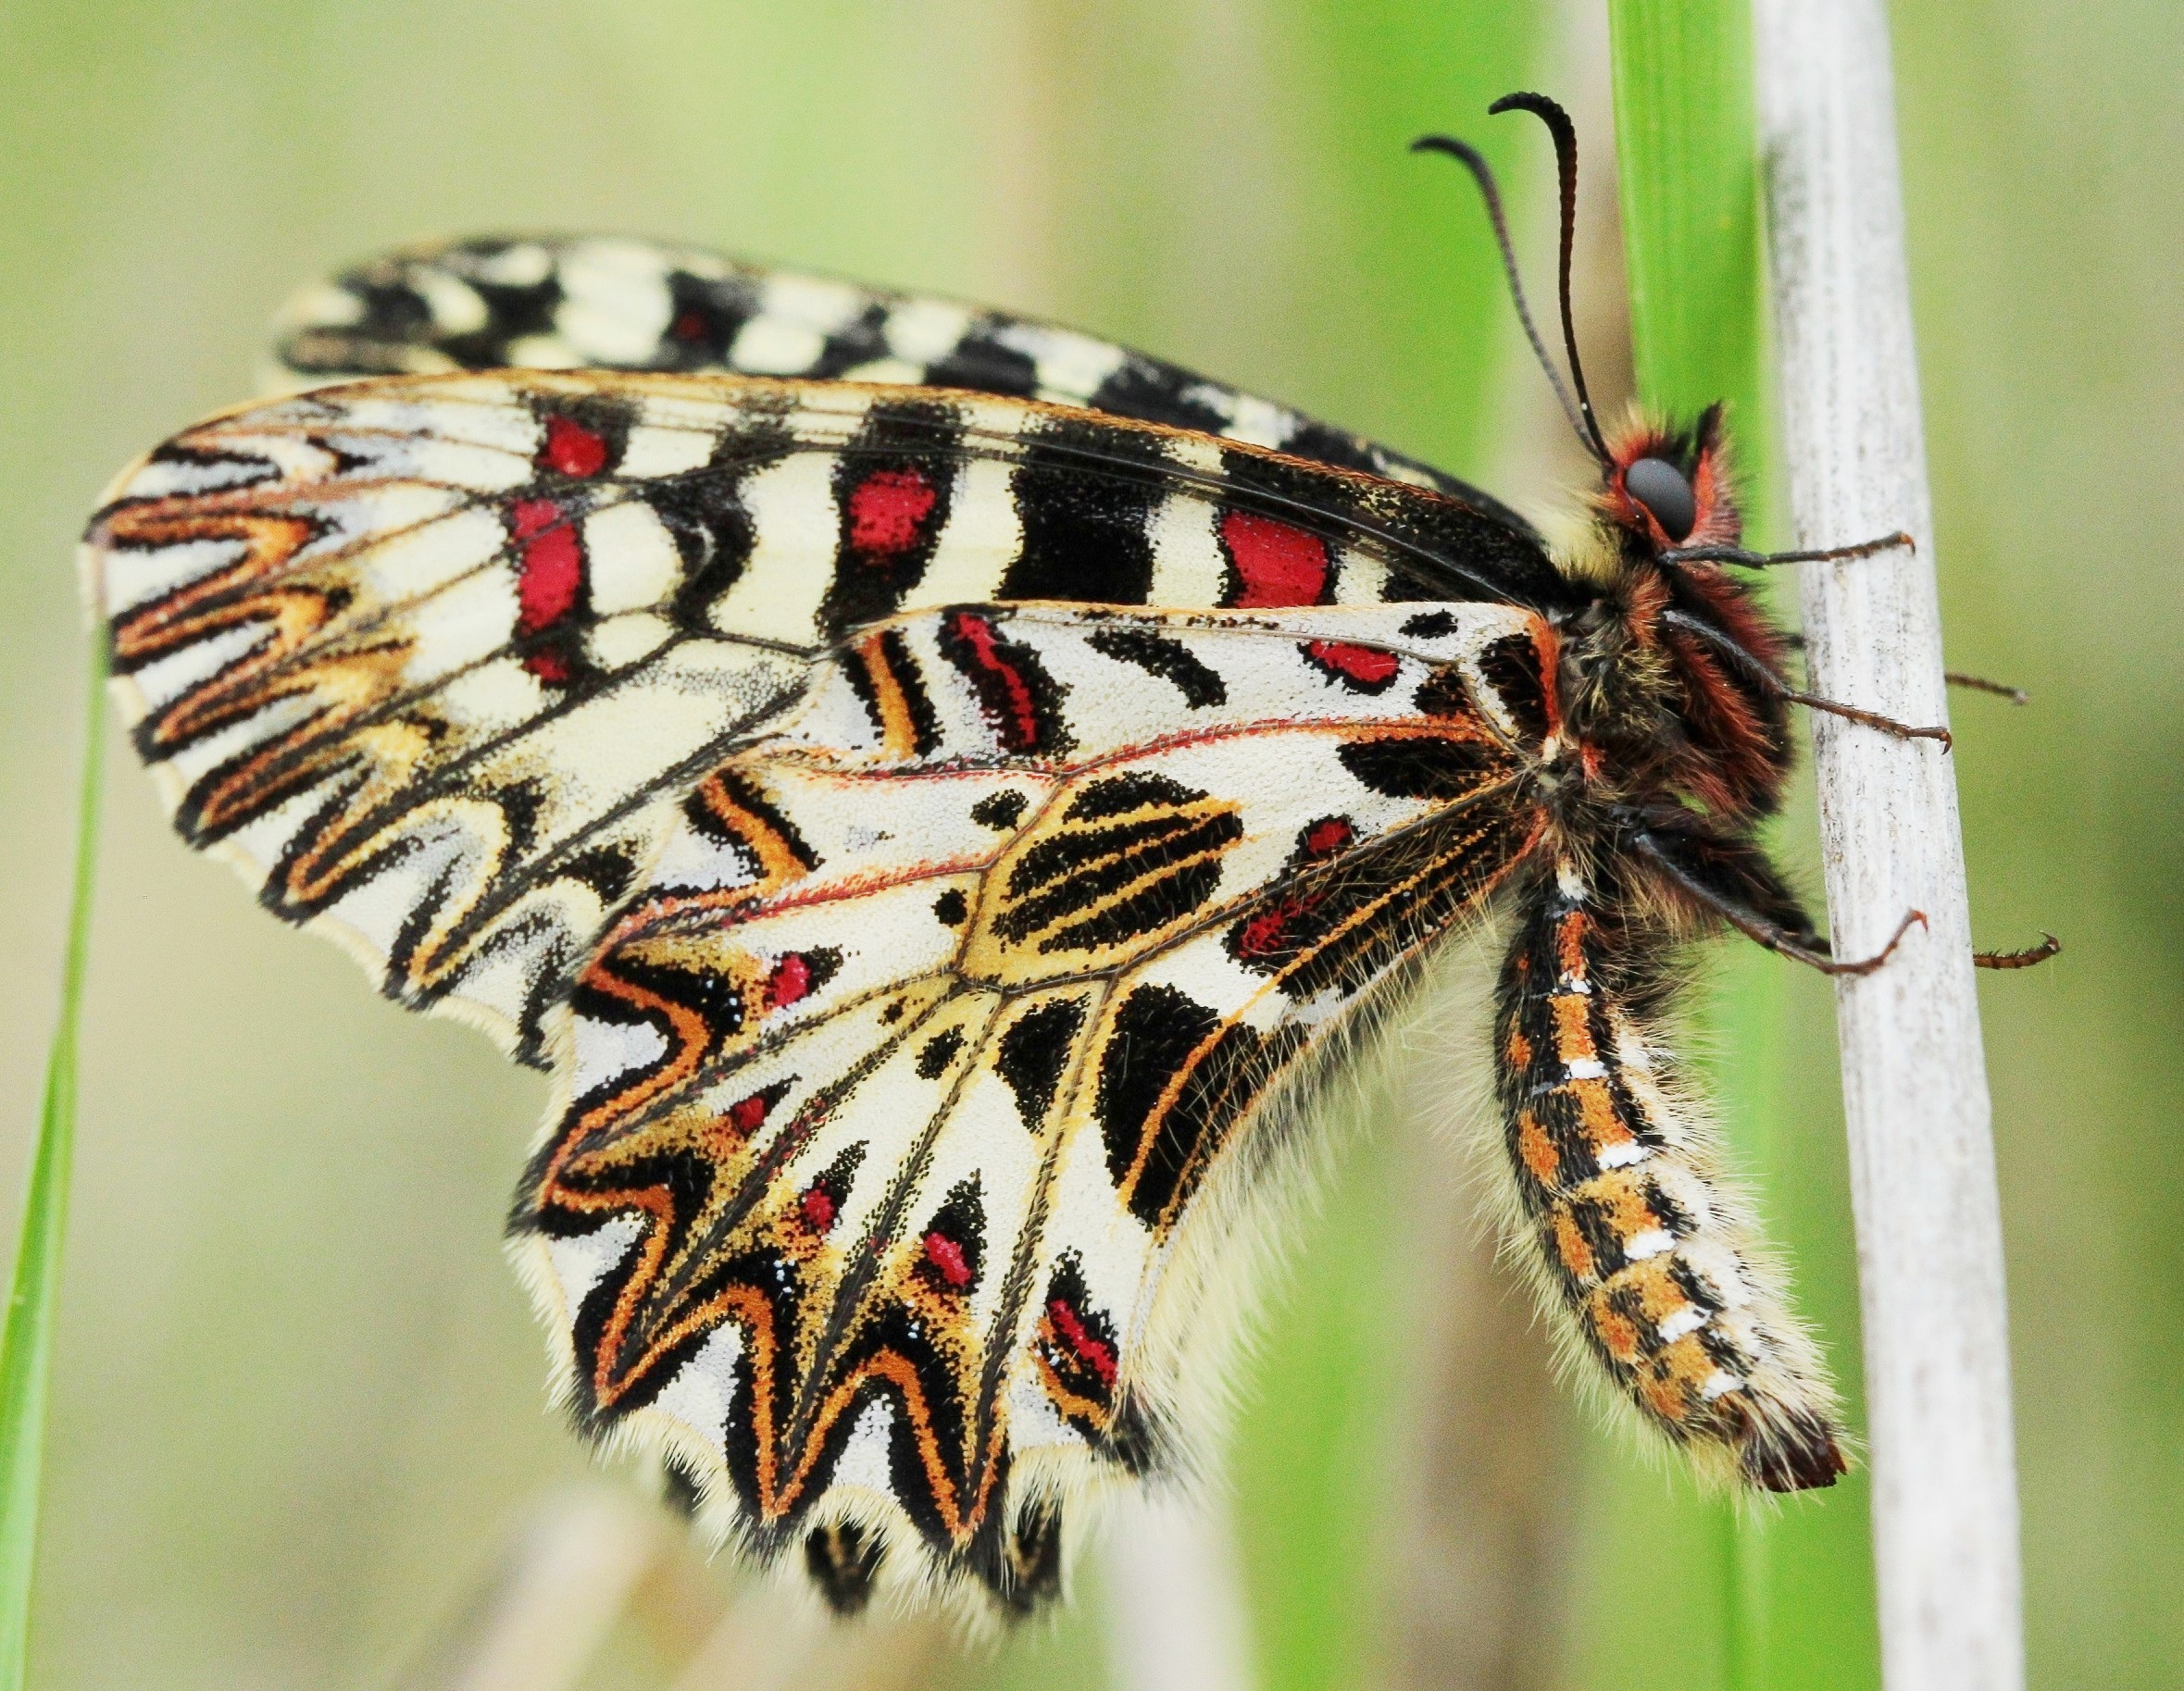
26,1349
1687,142
1688,145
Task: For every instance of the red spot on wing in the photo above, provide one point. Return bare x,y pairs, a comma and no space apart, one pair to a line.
948,1261
887,512
688,325
745,1113
571,449
1269,930
1086,1346
549,578
1368,666
1333,835
790,981
1276,564
1021,729
818,1205
528,516
552,576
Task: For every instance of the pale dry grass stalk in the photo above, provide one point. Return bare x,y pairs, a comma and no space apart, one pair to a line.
1915,1086
770,1640
1176,1616
557,1593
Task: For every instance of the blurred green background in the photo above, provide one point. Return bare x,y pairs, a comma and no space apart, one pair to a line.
297,1411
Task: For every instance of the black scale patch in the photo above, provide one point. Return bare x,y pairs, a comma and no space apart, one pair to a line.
712,527
985,365
936,1053
999,811
1162,1035
705,315
843,1559
1170,659
893,488
891,666
1424,766
858,341
954,1241
1511,667
1085,495
1158,393
1034,1052
1021,699
1137,836
1033,1572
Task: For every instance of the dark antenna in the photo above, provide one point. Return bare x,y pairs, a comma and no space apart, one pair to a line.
1468,155
1579,412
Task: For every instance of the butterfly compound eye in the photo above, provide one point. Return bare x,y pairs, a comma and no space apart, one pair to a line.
1659,486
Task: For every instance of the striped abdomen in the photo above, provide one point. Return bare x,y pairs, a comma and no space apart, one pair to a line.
1619,1181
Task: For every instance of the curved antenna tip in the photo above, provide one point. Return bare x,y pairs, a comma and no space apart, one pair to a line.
1565,134
1469,156
1539,104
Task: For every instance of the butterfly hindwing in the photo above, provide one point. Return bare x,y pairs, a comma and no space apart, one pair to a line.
435,660
895,1089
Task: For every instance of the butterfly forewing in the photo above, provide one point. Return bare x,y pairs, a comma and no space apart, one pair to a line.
943,934
946,998
433,660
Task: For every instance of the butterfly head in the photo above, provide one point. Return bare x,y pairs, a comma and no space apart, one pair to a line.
1671,661
1667,487
1697,660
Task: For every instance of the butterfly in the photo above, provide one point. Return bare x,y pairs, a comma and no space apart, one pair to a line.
940,792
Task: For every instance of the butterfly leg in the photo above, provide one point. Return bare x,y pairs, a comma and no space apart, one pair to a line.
1955,678
1737,883
1767,560
1773,683
1616,1172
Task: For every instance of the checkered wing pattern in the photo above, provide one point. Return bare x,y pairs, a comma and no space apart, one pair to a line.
435,661
612,303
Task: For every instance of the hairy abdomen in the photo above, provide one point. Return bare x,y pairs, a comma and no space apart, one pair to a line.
1657,1265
